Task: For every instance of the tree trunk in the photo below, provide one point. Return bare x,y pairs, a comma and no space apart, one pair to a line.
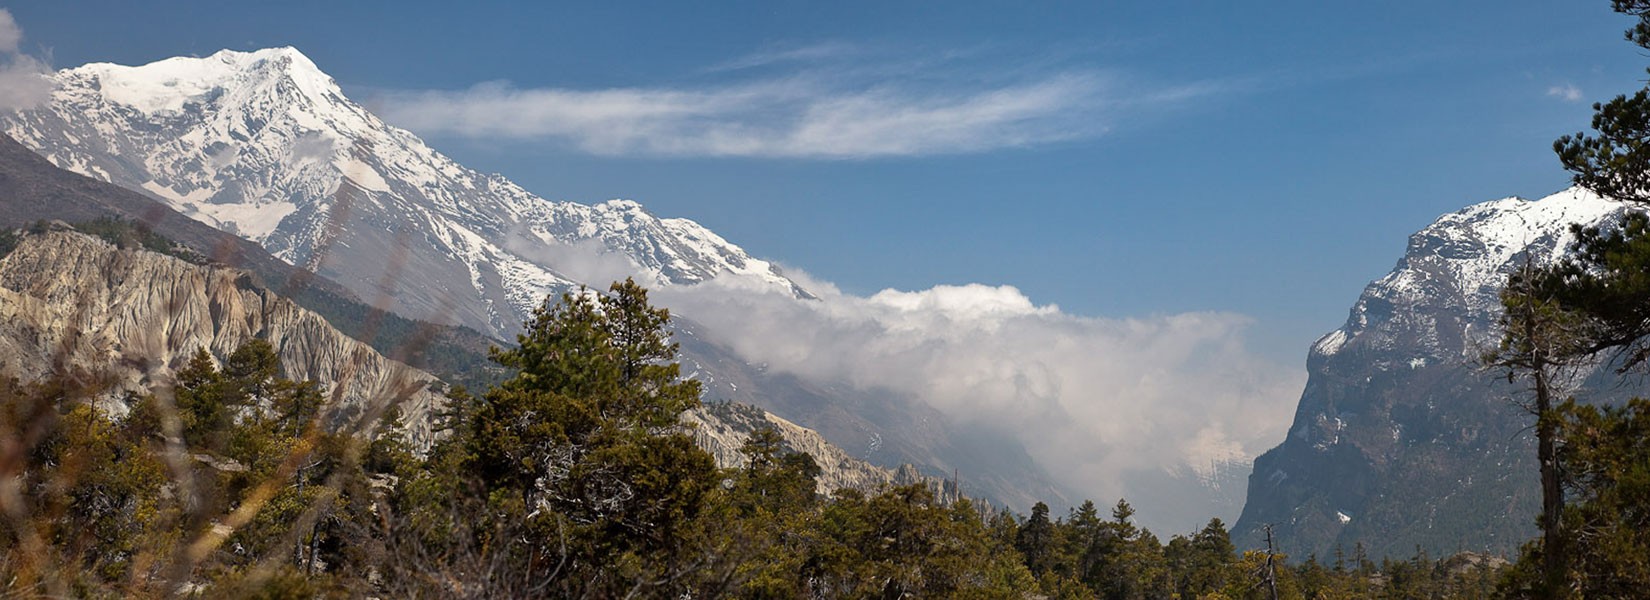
1552,496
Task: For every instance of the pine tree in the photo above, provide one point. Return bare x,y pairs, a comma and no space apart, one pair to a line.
584,446
1082,543
1036,540
1591,302
201,400
1607,472
1615,162
1540,341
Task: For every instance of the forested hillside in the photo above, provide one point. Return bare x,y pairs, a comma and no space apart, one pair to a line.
571,478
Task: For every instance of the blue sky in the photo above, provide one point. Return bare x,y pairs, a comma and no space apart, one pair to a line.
1117,159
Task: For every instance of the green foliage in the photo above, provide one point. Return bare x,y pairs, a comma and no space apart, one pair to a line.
1605,282
131,234
109,505
903,543
774,480
1035,540
587,427
1200,564
571,478
1606,466
1541,340
1615,162
1128,562
580,453
1607,472
1592,457
8,241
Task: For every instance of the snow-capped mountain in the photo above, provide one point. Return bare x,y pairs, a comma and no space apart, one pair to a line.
265,145
1401,439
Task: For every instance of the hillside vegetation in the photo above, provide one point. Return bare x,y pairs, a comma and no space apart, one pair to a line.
571,478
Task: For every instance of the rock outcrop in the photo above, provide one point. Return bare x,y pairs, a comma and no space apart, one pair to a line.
1401,439
722,428
73,302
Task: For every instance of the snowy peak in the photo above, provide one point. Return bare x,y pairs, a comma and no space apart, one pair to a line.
1480,241
265,145
171,84
1401,437
261,145
1459,263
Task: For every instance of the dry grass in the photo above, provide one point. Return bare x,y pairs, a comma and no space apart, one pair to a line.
177,560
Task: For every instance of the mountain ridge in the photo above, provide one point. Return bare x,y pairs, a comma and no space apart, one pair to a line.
1401,440
376,210
32,189
265,145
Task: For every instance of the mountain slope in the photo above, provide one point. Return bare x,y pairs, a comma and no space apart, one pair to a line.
1401,439
72,302
265,145
32,189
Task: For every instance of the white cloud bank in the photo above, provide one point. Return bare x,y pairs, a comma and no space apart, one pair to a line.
1093,400
23,78
865,110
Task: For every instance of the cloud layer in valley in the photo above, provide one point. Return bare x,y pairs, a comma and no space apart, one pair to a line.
834,101
1097,402
23,82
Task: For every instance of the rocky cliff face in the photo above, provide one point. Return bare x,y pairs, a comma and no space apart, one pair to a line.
69,301
722,428
33,190
1400,439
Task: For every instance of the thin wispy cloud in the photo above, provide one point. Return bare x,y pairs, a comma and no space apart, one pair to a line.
850,109
23,78
1566,92
812,53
